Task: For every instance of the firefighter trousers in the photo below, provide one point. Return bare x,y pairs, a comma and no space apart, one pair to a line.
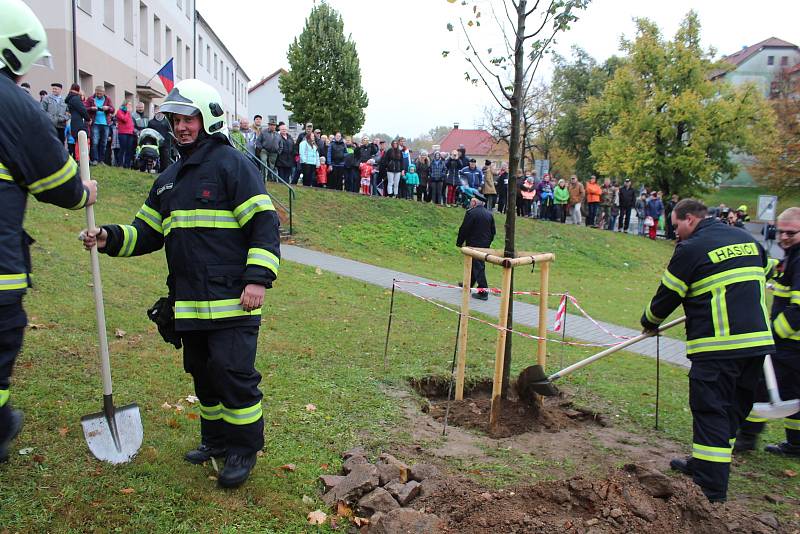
787,372
12,330
222,364
721,394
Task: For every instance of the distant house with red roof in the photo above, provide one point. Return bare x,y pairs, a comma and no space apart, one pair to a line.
761,64
479,144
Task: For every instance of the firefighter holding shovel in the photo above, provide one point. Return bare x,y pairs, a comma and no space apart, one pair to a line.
220,230
32,161
718,274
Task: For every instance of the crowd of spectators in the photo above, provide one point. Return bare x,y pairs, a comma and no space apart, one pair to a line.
372,168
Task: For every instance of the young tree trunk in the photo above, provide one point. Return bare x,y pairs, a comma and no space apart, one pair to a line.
514,157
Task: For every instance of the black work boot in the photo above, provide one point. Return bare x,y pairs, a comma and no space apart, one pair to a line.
237,470
683,465
745,443
481,295
204,452
784,449
16,419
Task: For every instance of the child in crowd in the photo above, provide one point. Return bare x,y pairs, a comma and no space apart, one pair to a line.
412,181
322,173
365,169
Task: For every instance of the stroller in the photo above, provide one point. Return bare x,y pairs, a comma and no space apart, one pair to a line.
465,193
147,150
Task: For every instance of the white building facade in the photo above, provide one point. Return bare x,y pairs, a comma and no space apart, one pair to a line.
266,100
121,44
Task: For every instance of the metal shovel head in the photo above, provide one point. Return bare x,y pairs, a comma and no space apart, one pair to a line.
532,380
114,438
776,410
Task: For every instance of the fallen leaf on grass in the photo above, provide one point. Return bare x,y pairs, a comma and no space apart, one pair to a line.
191,399
173,423
318,270
342,510
289,467
360,521
38,458
26,451
166,406
127,491
259,454
317,517
789,473
192,416
120,333
324,467
63,431
34,326
311,408
212,477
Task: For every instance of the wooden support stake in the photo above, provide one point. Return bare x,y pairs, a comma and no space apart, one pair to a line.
462,334
499,357
544,288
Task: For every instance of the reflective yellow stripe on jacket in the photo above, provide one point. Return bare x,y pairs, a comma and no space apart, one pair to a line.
245,211
199,219
783,329
211,309
729,342
4,394
9,282
264,258
61,176
151,217
5,174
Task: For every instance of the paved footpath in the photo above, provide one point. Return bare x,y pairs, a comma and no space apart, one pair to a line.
578,327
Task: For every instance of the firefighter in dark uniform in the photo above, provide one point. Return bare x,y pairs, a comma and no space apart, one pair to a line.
32,161
718,273
220,231
477,230
786,330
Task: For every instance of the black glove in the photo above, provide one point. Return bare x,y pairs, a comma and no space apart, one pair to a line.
163,315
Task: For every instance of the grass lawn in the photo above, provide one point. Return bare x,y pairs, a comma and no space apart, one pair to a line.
612,275
321,343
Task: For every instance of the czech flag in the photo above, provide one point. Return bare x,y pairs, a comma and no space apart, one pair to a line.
166,75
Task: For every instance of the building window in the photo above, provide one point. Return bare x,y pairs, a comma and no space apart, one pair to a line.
216,66
144,37
200,48
770,60
227,78
188,62
208,58
784,61
156,38
108,13
86,82
179,60
180,4
167,43
127,17
85,6
189,9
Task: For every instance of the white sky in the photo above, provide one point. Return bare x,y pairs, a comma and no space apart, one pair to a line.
412,88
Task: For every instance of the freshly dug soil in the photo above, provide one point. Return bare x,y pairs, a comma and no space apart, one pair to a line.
617,503
516,416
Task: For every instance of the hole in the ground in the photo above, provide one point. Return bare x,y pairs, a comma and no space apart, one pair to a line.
517,416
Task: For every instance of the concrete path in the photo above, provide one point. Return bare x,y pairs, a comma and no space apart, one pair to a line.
577,326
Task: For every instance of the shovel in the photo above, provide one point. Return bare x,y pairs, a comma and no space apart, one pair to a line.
775,408
115,434
533,380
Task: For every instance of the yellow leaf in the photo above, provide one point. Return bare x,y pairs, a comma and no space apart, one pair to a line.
127,491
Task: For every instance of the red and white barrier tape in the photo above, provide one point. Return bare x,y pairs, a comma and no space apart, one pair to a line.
498,327
498,291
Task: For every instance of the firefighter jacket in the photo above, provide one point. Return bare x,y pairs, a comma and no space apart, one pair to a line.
719,275
32,161
786,301
212,214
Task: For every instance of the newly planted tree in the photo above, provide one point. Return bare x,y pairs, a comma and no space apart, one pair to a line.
324,81
505,60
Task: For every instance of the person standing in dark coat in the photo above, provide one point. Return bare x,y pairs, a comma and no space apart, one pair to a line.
285,160
627,200
77,114
477,230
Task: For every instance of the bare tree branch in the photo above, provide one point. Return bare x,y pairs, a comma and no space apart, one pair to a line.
491,92
509,48
544,22
508,16
489,71
531,10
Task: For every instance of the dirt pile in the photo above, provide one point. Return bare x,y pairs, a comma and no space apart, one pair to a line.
632,499
517,416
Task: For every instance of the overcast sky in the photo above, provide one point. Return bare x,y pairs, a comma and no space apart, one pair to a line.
412,88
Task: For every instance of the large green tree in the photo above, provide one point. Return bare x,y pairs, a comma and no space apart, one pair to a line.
668,123
324,81
574,82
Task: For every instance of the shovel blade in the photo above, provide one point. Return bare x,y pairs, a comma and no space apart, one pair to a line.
114,439
776,410
533,380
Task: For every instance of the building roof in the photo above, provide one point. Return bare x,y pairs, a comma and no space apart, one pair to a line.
744,54
476,142
268,78
211,32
